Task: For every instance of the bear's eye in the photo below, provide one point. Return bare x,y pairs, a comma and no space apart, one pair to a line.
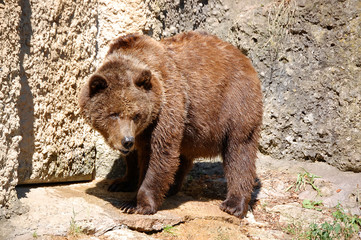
114,115
136,117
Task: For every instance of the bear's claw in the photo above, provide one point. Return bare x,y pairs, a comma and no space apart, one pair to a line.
128,207
237,207
131,207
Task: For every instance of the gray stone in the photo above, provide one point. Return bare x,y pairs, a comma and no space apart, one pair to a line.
262,233
336,187
309,80
124,234
149,223
293,212
109,163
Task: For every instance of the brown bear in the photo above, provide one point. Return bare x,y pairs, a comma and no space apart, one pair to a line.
165,103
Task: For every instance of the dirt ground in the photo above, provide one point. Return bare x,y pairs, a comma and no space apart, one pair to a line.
278,211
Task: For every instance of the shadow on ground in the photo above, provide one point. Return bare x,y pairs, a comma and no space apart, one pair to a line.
205,182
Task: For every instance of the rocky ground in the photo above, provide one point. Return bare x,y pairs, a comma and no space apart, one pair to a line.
278,211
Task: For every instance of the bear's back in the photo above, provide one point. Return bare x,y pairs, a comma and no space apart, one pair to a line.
209,65
223,87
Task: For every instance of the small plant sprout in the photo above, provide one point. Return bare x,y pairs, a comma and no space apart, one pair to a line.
74,228
312,204
303,179
170,230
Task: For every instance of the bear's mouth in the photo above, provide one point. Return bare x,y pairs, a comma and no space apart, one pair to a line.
125,152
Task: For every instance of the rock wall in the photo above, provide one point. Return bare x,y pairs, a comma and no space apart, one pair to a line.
313,90
307,54
49,49
59,45
9,94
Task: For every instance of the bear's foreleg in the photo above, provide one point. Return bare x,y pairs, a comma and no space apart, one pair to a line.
129,182
160,175
164,158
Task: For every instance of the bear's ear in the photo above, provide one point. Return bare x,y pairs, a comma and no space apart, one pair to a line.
96,85
126,41
144,80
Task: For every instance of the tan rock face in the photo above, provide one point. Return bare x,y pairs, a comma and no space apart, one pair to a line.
9,94
59,45
48,50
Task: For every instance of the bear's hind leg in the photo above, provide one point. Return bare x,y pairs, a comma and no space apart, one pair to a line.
240,171
129,182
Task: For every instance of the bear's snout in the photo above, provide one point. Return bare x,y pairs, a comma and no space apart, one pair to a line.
124,138
128,142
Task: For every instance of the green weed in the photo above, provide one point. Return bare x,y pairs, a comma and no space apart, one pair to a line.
74,228
170,230
312,204
303,179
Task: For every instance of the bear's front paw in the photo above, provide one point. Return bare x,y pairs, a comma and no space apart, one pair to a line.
237,206
122,185
145,210
131,207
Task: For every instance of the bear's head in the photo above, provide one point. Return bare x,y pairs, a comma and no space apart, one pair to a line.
120,100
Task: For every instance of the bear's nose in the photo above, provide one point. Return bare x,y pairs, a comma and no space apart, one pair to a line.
128,142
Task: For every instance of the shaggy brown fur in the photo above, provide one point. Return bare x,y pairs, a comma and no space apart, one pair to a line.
172,101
